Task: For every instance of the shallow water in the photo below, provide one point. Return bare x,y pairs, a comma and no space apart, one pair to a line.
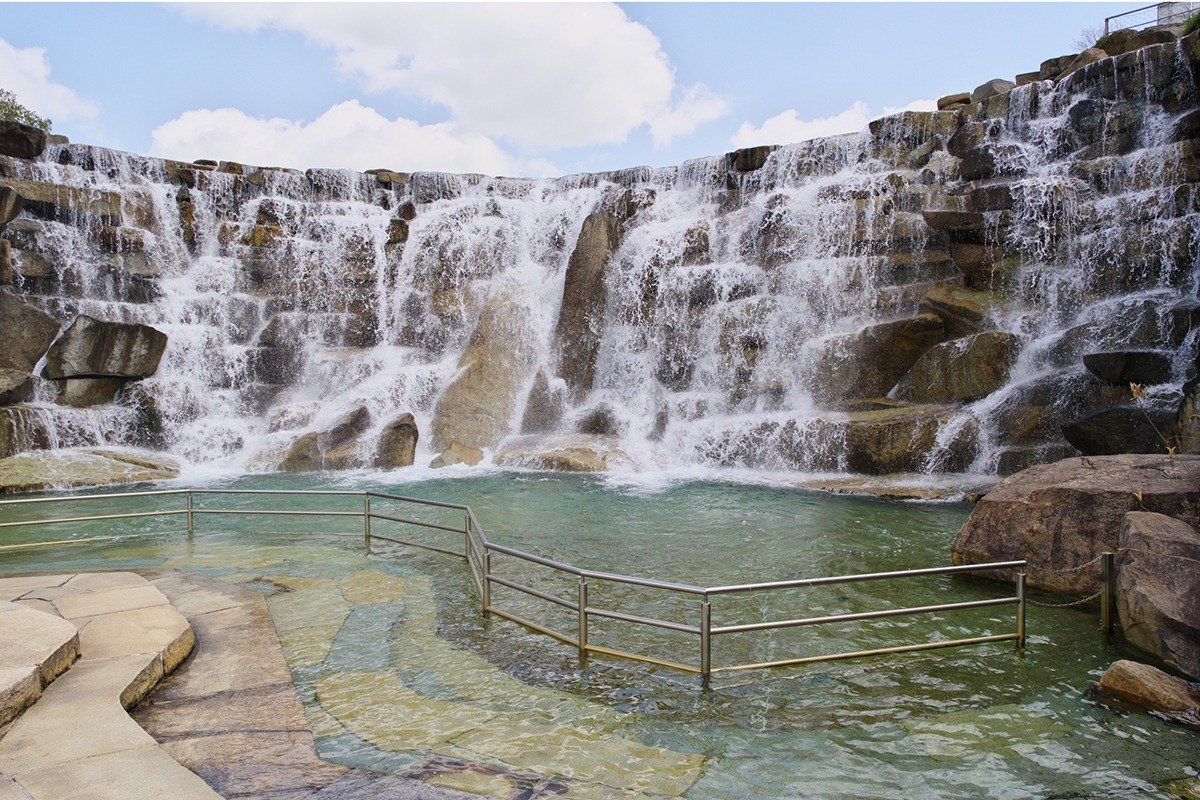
399,671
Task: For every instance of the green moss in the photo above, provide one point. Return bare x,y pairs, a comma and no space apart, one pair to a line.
1191,25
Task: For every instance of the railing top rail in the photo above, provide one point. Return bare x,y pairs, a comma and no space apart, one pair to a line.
868,576
81,497
421,501
326,492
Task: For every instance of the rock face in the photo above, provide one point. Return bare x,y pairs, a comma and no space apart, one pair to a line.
398,443
585,297
869,363
457,454
59,469
1141,687
88,392
15,386
569,453
21,429
545,407
21,141
1158,589
28,333
960,370
1063,515
91,348
477,408
1121,429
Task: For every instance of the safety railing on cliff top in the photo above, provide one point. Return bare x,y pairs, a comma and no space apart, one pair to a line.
1151,15
478,553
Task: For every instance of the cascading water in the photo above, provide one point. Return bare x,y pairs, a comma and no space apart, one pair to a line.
769,310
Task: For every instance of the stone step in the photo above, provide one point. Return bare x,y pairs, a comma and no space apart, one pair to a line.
77,741
35,648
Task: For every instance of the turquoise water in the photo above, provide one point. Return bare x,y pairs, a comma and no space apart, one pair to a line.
399,670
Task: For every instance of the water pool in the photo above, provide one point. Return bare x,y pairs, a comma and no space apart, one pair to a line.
398,670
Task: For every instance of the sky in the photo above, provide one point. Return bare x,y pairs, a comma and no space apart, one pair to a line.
504,88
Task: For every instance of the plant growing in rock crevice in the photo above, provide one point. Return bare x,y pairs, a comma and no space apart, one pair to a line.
1191,24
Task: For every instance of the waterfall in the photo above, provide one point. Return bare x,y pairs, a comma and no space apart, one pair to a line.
774,309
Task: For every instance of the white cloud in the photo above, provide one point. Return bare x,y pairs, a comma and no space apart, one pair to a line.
788,127
540,74
25,73
348,135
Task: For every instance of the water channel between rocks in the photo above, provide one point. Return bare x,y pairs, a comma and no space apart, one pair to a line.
399,671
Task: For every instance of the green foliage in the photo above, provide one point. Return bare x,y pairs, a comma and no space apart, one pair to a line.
1191,25
12,111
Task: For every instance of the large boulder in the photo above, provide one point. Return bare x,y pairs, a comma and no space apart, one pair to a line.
1158,589
961,370
65,468
585,298
1120,429
335,447
457,453
28,333
11,203
1141,687
993,87
577,452
887,440
870,362
963,311
21,141
478,406
21,429
1124,367
545,406
1127,40
15,386
92,348
1060,517
88,392
398,443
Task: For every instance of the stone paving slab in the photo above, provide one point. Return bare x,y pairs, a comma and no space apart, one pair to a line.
77,741
35,648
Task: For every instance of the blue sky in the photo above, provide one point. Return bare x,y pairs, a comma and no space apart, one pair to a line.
499,88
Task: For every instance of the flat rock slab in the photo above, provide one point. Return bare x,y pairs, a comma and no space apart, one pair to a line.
77,740
231,713
35,648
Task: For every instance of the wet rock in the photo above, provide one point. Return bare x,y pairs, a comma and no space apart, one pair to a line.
15,386
959,226
92,348
993,87
339,442
963,311
1127,40
992,160
598,421
545,406
983,266
21,141
870,362
1051,68
1089,56
1061,516
54,201
22,429
585,298
66,468
970,135
457,453
88,392
569,453
892,439
6,263
398,443
28,333
1141,687
477,408
1121,429
1158,589
1122,368
1028,77
750,158
961,370
10,205
149,428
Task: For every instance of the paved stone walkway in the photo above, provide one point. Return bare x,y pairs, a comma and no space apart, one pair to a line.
77,742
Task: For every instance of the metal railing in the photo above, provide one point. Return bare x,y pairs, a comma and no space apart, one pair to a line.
1150,16
478,553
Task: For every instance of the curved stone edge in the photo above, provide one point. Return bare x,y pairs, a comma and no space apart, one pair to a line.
21,684
78,740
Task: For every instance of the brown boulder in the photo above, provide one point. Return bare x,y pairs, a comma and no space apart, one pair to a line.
570,453
1141,687
961,98
92,348
891,439
398,443
22,429
21,141
457,453
1120,429
961,370
28,333
544,408
477,407
963,311
304,455
1060,517
336,447
15,386
1089,56
10,205
870,362
1124,367
1158,589
585,297
88,392
1127,40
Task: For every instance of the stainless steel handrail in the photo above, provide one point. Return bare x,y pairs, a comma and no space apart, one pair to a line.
477,550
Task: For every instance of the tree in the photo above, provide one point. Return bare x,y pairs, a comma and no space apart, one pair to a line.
12,111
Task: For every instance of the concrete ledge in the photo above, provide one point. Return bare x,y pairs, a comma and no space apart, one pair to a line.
35,648
77,741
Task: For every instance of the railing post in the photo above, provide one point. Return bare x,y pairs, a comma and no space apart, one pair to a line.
467,537
705,639
1107,574
487,581
367,522
583,621
190,526
1021,611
